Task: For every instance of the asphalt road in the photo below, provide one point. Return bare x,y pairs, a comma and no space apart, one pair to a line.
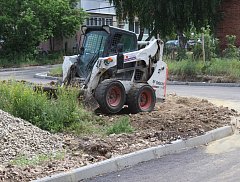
214,92
195,165
221,96
26,74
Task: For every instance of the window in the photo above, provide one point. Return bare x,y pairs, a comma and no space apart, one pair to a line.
109,21
131,26
128,41
134,27
98,21
137,28
91,21
95,21
103,21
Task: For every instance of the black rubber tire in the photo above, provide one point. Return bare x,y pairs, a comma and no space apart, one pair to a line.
135,95
103,92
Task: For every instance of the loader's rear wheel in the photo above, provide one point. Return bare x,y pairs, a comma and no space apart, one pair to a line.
110,95
141,98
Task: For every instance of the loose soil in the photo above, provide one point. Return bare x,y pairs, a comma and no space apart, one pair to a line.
176,118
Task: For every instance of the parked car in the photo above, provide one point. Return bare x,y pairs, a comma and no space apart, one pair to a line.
173,44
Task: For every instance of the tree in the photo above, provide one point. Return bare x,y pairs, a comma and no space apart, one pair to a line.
26,23
169,16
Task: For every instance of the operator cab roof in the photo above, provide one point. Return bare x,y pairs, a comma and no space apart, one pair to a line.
108,29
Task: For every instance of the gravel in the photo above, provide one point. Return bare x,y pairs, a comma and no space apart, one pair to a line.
20,138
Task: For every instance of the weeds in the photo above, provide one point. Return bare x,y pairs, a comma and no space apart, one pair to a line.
121,126
215,67
184,68
56,72
24,161
54,115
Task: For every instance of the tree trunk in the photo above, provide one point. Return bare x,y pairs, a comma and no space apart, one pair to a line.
140,37
51,43
182,40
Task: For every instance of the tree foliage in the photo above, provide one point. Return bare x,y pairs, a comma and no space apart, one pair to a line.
168,16
26,23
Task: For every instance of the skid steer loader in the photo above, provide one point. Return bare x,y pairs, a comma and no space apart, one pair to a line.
111,69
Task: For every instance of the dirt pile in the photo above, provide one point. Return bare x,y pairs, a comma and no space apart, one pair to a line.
177,118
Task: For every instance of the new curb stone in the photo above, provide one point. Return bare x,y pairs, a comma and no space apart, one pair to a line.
45,76
119,163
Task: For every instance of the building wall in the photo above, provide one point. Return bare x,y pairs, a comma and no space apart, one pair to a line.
230,25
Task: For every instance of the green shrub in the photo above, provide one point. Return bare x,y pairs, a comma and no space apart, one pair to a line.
62,114
231,51
121,126
181,54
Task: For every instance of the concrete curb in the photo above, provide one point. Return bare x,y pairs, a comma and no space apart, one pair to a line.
45,76
119,163
203,84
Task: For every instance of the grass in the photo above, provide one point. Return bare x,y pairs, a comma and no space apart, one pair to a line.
215,67
64,114
224,67
54,115
121,126
24,161
185,67
30,60
57,72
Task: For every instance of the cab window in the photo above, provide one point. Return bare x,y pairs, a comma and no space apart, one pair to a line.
128,41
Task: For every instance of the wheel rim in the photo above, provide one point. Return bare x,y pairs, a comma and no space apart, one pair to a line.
145,100
114,96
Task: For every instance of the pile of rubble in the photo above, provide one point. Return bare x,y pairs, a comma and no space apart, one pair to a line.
20,138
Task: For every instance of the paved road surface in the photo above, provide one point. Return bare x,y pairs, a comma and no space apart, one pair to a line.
195,165
26,74
226,93
226,96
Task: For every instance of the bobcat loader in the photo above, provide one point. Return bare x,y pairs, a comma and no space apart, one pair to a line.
111,69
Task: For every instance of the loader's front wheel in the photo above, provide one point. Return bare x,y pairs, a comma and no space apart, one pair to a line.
141,98
111,96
